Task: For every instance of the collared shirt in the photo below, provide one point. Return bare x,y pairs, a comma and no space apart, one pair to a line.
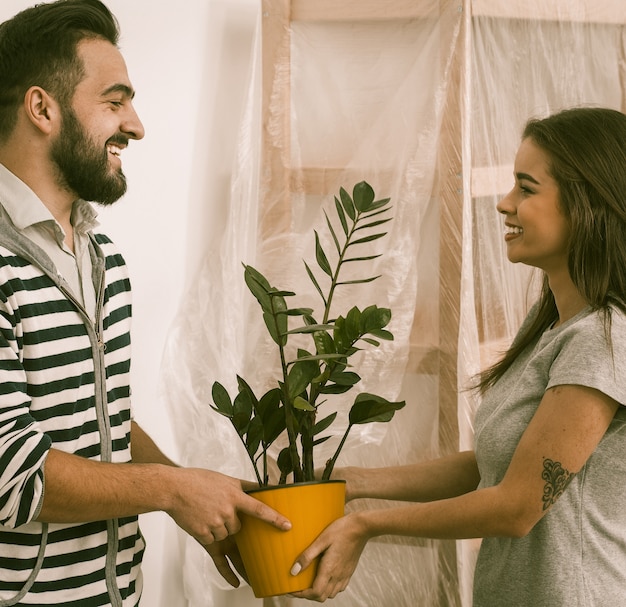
33,218
65,385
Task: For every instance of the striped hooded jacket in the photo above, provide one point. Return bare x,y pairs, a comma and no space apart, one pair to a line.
64,384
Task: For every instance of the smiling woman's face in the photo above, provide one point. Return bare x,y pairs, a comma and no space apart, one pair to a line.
536,231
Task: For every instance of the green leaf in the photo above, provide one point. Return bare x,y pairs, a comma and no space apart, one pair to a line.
259,286
319,441
324,343
272,302
334,389
382,334
347,203
379,204
327,356
242,412
222,401
321,425
274,329
284,462
368,408
254,436
273,423
244,387
320,256
346,331
269,402
345,378
332,233
301,375
374,318
298,312
373,224
276,293
373,212
311,329
314,281
302,404
359,281
368,258
342,216
368,239
363,196
353,324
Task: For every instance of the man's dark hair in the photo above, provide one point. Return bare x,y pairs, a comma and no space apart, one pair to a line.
38,47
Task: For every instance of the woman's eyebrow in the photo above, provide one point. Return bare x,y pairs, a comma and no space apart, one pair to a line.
526,177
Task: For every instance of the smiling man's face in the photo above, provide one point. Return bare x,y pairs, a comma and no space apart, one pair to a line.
97,127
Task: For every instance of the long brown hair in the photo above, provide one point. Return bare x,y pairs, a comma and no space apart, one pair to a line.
586,148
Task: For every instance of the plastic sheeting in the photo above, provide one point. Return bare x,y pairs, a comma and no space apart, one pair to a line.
428,110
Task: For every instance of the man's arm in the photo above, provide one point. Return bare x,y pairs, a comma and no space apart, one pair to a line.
144,450
203,503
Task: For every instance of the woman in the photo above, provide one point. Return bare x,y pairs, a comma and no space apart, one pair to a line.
546,483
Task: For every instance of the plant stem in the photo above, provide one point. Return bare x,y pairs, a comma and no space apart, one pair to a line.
315,390
330,464
256,471
289,409
335,277
308,468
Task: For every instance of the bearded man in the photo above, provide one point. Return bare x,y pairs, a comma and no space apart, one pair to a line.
75,469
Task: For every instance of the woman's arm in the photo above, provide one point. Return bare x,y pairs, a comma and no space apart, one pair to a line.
421,482
568,425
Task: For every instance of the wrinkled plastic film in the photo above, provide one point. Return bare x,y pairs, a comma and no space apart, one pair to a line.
371,101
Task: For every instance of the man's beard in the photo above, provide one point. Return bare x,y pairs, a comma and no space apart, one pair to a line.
83,167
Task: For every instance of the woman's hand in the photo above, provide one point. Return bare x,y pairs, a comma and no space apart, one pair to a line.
340,546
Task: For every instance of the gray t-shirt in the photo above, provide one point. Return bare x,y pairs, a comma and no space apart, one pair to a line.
576,555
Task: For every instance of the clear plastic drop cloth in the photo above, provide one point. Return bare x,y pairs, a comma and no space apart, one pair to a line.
427,109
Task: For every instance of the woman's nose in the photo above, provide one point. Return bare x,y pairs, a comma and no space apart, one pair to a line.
505,205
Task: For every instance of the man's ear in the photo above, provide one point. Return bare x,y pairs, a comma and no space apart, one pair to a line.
41,109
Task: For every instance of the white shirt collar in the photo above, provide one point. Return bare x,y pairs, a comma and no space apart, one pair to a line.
26,209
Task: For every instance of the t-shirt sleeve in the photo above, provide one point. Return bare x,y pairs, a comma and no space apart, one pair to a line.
586,357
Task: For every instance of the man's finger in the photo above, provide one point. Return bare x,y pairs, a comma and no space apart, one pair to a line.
223,566
259,510
235,559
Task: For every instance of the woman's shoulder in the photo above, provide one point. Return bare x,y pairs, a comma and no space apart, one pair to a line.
611,319
590,350
601,331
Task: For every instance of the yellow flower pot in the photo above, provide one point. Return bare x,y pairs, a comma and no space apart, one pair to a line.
268,553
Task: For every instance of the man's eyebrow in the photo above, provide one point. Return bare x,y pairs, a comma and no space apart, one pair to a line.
119,88
526,177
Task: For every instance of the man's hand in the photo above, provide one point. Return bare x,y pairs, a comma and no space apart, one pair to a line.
206,504
223,554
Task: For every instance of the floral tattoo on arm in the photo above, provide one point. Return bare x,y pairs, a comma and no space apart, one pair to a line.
557,479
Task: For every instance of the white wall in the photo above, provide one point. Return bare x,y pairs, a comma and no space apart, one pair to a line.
188,61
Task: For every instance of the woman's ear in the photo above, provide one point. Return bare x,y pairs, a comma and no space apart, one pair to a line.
41,109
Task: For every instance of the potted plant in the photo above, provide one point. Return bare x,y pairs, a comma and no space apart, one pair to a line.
297,406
